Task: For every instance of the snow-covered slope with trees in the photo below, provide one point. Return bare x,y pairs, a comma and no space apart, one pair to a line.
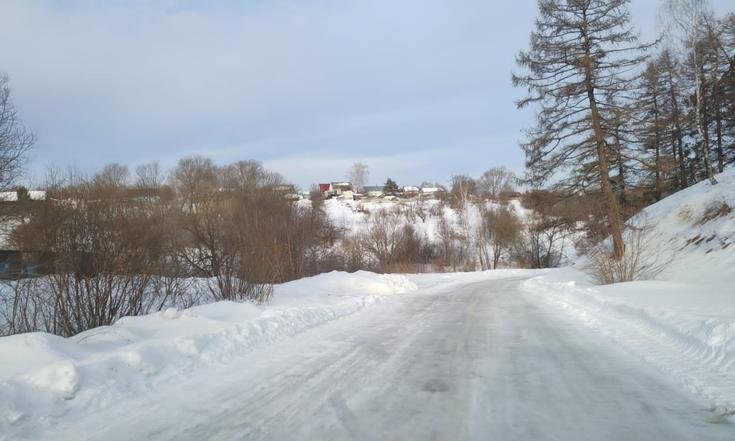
683,321
694,231
445,235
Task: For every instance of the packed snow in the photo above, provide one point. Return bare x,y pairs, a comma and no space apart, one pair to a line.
457,356
44,378
43,374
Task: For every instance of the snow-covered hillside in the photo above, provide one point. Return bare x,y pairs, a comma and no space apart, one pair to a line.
694,231
683,321
424,216
458,234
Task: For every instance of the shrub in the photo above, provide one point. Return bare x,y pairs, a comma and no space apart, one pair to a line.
640,260
714,211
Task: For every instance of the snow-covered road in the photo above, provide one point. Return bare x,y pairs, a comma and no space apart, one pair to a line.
482,361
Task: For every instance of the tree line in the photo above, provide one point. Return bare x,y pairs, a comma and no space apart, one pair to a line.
623,121
117,243
112,245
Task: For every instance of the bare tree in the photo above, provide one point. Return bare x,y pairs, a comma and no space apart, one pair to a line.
114,176
15,139
384,237
358,175
192,178
148,176
463,189
496,182
581,51
690,19
499,229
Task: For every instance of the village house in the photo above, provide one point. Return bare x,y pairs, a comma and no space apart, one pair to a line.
287,191
373,191
431,192
337,189
14,262
410,191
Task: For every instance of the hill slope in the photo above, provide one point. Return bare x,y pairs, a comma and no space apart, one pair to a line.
683,321
695,230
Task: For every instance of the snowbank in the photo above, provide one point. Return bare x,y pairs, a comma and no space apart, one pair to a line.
686,331
684,321
43,376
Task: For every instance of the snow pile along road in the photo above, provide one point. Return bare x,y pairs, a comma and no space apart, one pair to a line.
684,321
686,331
44,376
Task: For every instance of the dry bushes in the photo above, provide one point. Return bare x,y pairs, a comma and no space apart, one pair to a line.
388,244
499,229
240,230
386,238
714,211
640,260
541,242
103,247
24,307
113,249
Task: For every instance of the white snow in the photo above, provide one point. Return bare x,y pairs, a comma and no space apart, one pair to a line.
43,375
694,247
354,216
683,322
464,356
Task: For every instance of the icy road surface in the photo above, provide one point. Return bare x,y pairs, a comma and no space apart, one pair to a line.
481,361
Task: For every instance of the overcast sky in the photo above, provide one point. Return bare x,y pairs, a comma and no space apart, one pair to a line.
417,89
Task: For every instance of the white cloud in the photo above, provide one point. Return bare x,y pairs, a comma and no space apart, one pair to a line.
137,80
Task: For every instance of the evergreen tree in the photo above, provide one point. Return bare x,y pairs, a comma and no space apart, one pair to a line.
692,20
391,188
657,134
578,56
672,88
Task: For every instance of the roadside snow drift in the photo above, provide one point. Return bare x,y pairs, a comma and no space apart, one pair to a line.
43,376
686,331
684,321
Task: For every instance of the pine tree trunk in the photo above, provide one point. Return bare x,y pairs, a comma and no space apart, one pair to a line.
621,169
700,117
621,174
678,134
656,141
718,123
613,211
